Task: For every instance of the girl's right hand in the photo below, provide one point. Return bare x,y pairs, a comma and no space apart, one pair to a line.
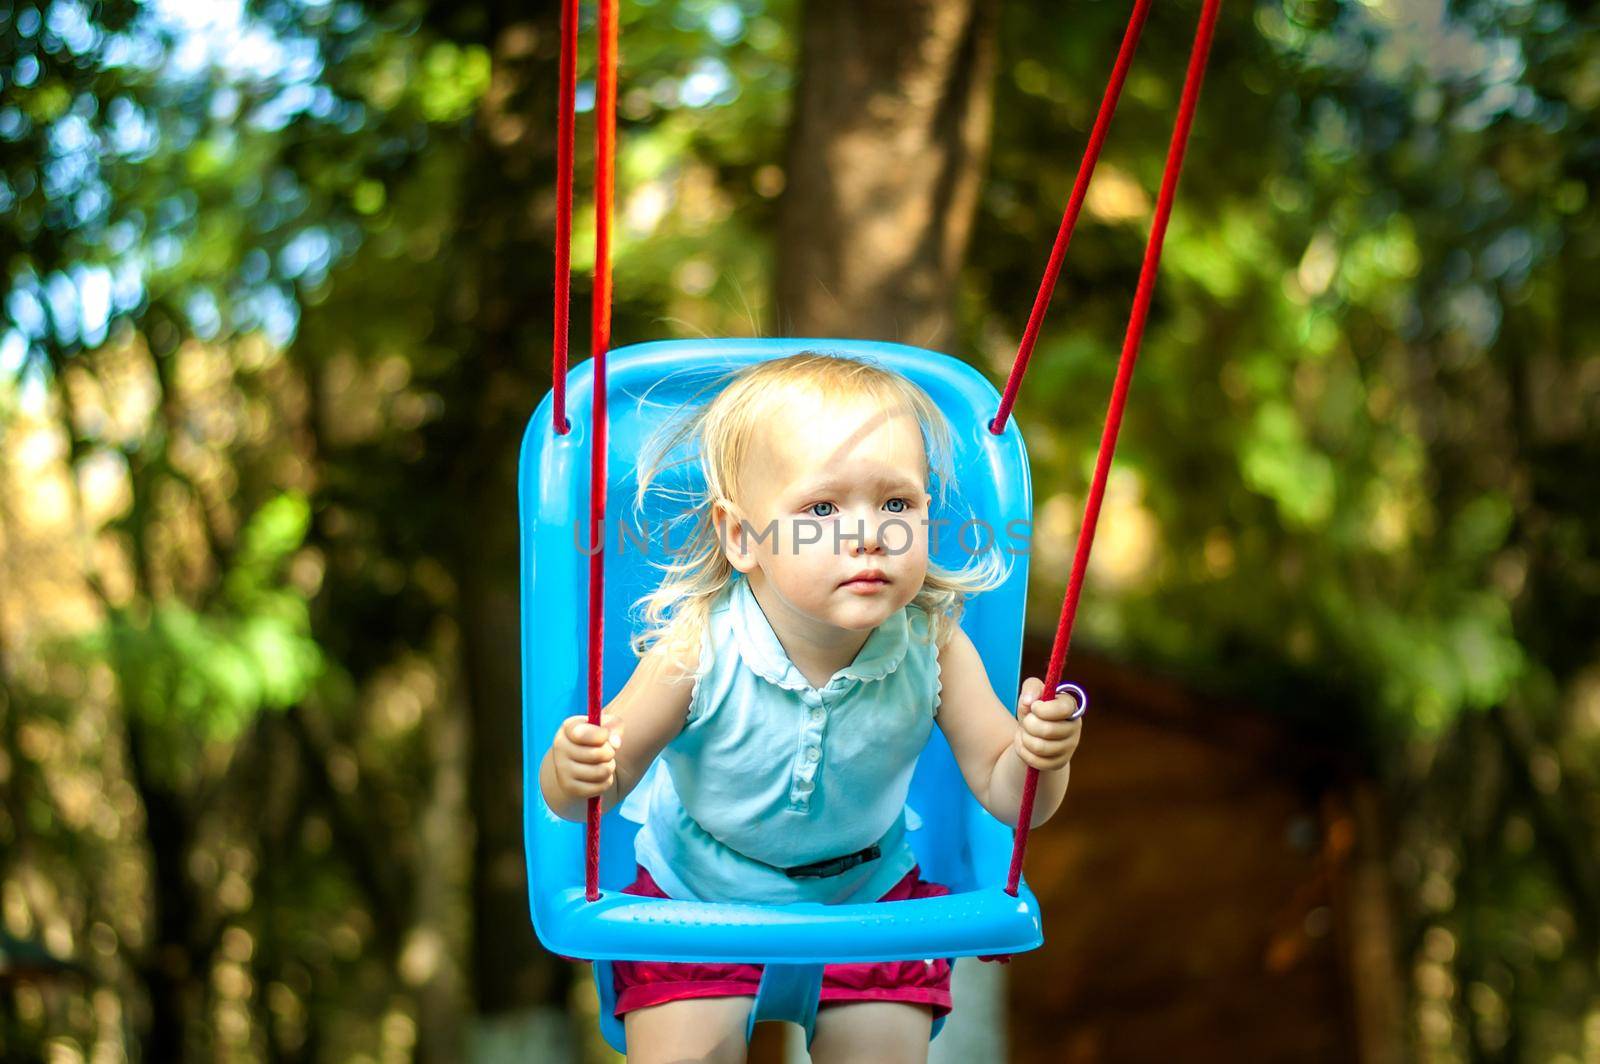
584,756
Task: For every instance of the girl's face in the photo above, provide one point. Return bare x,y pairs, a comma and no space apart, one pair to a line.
833,517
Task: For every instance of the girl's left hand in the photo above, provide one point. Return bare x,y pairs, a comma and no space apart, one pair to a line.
1045,737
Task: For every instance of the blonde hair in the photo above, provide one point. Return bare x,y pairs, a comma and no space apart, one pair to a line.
720,436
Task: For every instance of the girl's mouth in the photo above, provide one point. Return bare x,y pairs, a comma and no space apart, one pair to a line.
866,583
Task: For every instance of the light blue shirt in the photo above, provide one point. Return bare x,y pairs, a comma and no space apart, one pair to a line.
770,772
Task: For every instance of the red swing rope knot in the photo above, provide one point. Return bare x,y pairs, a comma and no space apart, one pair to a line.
1119,397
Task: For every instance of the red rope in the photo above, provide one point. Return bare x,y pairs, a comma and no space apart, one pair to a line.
1069,219
564,125
1119,397
604,179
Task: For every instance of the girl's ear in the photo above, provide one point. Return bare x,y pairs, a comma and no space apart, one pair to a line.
733,532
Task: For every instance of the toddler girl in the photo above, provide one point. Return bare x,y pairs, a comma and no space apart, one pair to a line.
796,657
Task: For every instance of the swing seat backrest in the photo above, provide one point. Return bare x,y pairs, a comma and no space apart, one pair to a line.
958,842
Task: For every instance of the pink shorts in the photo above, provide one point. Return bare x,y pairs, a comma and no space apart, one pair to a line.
643,983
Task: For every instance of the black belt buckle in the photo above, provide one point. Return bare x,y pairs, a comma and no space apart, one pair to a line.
834,865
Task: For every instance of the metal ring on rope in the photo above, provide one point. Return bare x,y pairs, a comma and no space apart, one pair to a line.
1079,695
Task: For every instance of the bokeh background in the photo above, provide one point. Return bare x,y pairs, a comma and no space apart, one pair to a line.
276,309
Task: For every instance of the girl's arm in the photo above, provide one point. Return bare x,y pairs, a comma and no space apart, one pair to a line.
993,748
586,760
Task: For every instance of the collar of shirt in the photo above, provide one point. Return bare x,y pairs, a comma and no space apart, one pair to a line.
880,655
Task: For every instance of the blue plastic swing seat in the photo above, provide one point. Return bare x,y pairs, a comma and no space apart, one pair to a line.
958,844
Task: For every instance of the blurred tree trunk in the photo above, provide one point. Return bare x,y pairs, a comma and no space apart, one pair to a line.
1364,918
887,149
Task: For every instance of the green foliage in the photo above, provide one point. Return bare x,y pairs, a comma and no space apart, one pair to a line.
1314,265
203,676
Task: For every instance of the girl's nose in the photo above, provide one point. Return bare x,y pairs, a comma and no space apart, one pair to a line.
867,538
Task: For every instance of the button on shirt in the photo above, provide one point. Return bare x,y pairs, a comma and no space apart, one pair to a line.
770,772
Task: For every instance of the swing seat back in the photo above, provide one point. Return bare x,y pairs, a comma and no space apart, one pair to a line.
958,843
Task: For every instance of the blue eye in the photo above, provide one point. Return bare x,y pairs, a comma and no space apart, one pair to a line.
821,509
897,506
